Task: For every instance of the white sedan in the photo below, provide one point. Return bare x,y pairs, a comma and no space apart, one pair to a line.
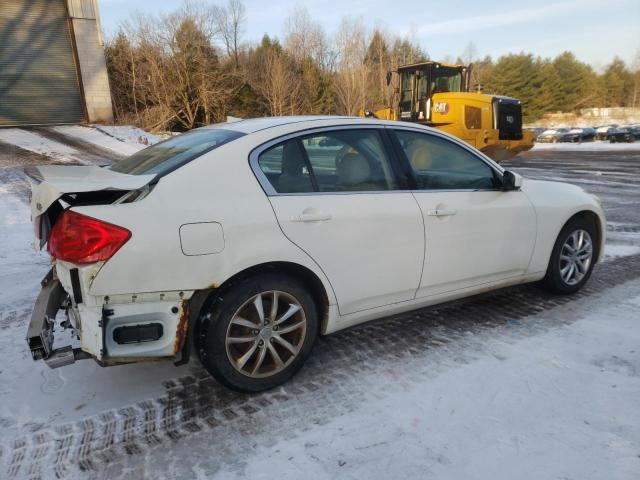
245,241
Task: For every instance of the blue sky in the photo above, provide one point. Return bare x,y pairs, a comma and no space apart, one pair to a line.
595,30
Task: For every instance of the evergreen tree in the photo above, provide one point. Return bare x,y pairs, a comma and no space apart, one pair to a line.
519,76
576,87
616,85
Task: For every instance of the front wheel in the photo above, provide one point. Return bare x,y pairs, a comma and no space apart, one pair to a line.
258,334
572,258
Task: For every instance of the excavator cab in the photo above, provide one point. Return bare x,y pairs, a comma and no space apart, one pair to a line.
418,82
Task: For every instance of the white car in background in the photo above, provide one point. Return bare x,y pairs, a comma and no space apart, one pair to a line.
247,240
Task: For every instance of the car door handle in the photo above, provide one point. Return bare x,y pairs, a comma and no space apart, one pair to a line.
311,217
441,213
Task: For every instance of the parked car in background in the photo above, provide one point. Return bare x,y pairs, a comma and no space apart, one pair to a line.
603,132
243,242
578,135
552,135
635,130
621,135
588,134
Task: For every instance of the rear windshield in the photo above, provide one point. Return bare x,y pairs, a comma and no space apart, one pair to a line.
166,156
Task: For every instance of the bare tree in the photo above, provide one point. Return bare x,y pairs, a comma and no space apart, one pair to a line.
279,84
174,70
470,53
230,22
350,81
306,39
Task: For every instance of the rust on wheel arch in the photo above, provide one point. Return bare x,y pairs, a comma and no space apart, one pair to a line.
183,326
190,309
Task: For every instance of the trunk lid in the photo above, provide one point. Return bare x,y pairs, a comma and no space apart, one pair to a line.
49,183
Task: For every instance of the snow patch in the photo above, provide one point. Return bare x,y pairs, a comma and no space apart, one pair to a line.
36,143
615,250
129,134
97,137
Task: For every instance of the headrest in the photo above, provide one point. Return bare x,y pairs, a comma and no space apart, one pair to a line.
353,169
419,156
292,160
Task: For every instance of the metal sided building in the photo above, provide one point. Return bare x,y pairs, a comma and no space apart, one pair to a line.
52,63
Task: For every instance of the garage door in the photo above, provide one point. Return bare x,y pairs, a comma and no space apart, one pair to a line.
38,79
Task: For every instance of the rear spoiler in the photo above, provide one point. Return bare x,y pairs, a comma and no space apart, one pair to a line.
50,182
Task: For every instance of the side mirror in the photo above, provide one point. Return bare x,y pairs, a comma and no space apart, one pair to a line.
389,75
511,181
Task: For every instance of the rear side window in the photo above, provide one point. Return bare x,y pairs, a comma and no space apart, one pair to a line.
285,167
166,156
334,161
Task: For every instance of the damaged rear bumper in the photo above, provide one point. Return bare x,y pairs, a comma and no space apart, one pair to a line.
134,328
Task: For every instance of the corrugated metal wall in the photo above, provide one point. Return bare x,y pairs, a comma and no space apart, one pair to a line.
38,75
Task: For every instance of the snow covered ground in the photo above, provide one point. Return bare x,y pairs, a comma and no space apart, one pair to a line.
588,146
518,384
120,140
559,404
97,137
33,142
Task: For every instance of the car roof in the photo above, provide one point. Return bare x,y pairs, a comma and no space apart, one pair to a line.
304,122
252,125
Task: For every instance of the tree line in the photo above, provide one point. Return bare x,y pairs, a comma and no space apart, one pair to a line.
192,67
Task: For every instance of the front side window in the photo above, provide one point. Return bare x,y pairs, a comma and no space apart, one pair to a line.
439,164
170,154
335,161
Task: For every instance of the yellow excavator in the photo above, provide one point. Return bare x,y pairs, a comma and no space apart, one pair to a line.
437,94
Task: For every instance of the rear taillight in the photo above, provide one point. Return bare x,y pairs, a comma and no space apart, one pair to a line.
77,238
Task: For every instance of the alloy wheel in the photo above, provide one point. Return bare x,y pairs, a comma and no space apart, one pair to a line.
576,256
266,334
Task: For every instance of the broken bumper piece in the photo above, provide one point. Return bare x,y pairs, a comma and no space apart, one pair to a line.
41,327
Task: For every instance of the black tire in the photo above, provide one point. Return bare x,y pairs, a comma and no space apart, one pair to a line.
553,279
214,324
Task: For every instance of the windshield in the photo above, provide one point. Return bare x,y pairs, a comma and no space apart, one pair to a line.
166,156
446,79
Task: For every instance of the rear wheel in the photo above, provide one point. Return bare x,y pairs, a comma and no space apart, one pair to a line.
572,258
258,334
